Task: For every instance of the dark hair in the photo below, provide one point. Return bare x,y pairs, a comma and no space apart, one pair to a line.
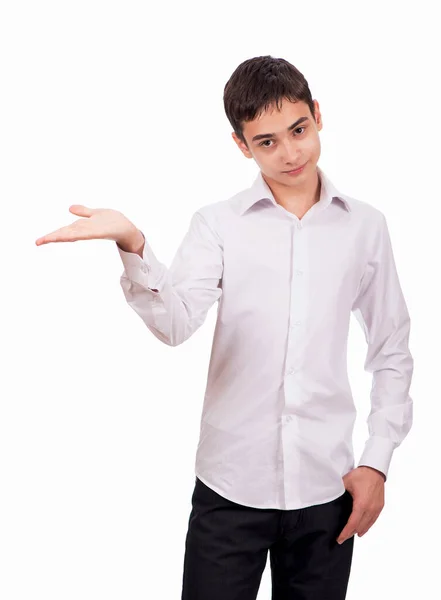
259,83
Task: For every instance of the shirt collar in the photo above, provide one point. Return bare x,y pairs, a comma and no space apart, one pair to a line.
260,190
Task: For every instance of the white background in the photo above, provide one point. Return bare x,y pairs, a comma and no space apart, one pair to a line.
119,105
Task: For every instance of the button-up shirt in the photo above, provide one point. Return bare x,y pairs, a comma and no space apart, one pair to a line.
278,413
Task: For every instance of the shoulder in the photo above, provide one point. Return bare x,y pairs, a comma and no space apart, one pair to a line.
225,207
364,212
218,215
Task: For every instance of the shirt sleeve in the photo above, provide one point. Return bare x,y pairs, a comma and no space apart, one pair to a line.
174,302
381,310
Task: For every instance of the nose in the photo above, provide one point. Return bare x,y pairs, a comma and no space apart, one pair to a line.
290,153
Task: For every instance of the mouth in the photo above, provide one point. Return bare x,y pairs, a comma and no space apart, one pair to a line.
295,171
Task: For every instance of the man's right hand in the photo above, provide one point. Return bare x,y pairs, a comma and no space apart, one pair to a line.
98,223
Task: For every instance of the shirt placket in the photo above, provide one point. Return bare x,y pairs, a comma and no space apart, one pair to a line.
290,425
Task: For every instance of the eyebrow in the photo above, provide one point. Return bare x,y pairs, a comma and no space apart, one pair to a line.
262,136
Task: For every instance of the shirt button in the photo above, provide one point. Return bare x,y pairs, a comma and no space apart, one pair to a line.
287,418
291,371
143,268
299,225
299,272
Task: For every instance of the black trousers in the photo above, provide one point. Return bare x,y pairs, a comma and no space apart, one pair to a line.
227,544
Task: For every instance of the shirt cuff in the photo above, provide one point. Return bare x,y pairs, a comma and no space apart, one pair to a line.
146,271
377,454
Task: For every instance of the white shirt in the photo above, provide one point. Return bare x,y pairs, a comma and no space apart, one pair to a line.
278,413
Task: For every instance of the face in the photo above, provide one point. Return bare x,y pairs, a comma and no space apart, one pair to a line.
280,141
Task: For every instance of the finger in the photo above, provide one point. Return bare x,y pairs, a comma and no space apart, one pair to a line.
365,524
351,526
81,210
64,234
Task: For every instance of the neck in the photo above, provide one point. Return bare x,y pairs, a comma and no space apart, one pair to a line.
297,200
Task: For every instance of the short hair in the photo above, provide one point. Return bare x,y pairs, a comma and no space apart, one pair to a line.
259,83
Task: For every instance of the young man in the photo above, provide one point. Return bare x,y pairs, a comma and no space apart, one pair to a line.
287,260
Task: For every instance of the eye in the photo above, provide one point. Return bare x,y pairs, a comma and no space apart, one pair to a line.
265,141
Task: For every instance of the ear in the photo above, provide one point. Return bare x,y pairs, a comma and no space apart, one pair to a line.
242,147
318,116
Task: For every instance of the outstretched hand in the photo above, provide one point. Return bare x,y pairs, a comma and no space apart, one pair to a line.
98,223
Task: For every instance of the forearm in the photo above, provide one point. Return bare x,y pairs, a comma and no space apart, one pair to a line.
134,242
173,302
391,415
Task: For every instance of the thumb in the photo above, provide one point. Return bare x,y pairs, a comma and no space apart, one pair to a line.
81,210
347,482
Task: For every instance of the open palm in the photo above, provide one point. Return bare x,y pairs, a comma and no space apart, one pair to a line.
98,223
